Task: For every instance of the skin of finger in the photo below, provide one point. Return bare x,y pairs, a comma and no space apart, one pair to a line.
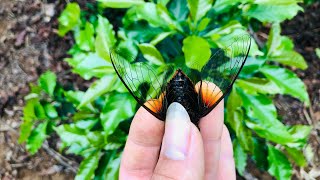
142,148
189,169
211,130
226,164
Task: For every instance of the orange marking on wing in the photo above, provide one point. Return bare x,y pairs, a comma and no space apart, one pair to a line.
209,91
155,105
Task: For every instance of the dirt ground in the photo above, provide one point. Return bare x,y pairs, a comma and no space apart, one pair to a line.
29,46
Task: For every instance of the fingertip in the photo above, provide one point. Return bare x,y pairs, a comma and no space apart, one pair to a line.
211,125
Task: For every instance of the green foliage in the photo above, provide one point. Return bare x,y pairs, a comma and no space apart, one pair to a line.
94,123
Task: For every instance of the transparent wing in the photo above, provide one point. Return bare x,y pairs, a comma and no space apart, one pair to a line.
221,71
145,82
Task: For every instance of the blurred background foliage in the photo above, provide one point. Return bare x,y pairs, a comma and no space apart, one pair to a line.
94,123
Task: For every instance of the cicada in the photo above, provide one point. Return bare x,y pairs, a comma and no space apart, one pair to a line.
198,88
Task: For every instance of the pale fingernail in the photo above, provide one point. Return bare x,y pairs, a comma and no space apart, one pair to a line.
177,132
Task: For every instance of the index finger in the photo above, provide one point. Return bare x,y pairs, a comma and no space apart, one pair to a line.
211,129
142,148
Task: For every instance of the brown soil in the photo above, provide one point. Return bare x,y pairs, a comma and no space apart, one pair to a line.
29,45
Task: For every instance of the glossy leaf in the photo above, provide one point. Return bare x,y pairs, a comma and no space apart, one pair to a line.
287,81
105,39
85,39
37,137
151,53
50,110
88,166
73,137
258,85
279,166
91,65
199,8
160,37
120,3
263,118
221,6
235,118
273,12
75,98
196,51
69,18
98,88
179,9
301,134
47,82
167,18
240,157
281,49
297,156
146,11
118,107
318,52
225,35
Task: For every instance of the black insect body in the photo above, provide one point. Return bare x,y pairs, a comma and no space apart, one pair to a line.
197,89
181,89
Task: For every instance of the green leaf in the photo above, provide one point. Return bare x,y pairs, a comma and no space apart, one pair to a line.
146,11
281,49
196,51
75,98
88,166
163,2
86,124
203,24
85,38
112,114
160,37
199,8
251,67
91,66
96,138
225,36
120,3
167,18
221,6
235,119
69,18
263,118
28,117
287,81
260,153
47,82
98,88
25,130
151,53
318,52
129,48
105,39
273,12
179,9
37,137
258,85
300,133
297,156
74,137
39,111
112,171
279,166
240,157
51,112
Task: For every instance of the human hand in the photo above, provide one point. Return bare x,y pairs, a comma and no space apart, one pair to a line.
176,149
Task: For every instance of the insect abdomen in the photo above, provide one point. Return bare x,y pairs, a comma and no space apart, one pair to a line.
180,89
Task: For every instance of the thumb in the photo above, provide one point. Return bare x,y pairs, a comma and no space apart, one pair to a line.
182,154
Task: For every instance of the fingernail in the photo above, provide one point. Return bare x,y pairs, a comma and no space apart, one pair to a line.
177,132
